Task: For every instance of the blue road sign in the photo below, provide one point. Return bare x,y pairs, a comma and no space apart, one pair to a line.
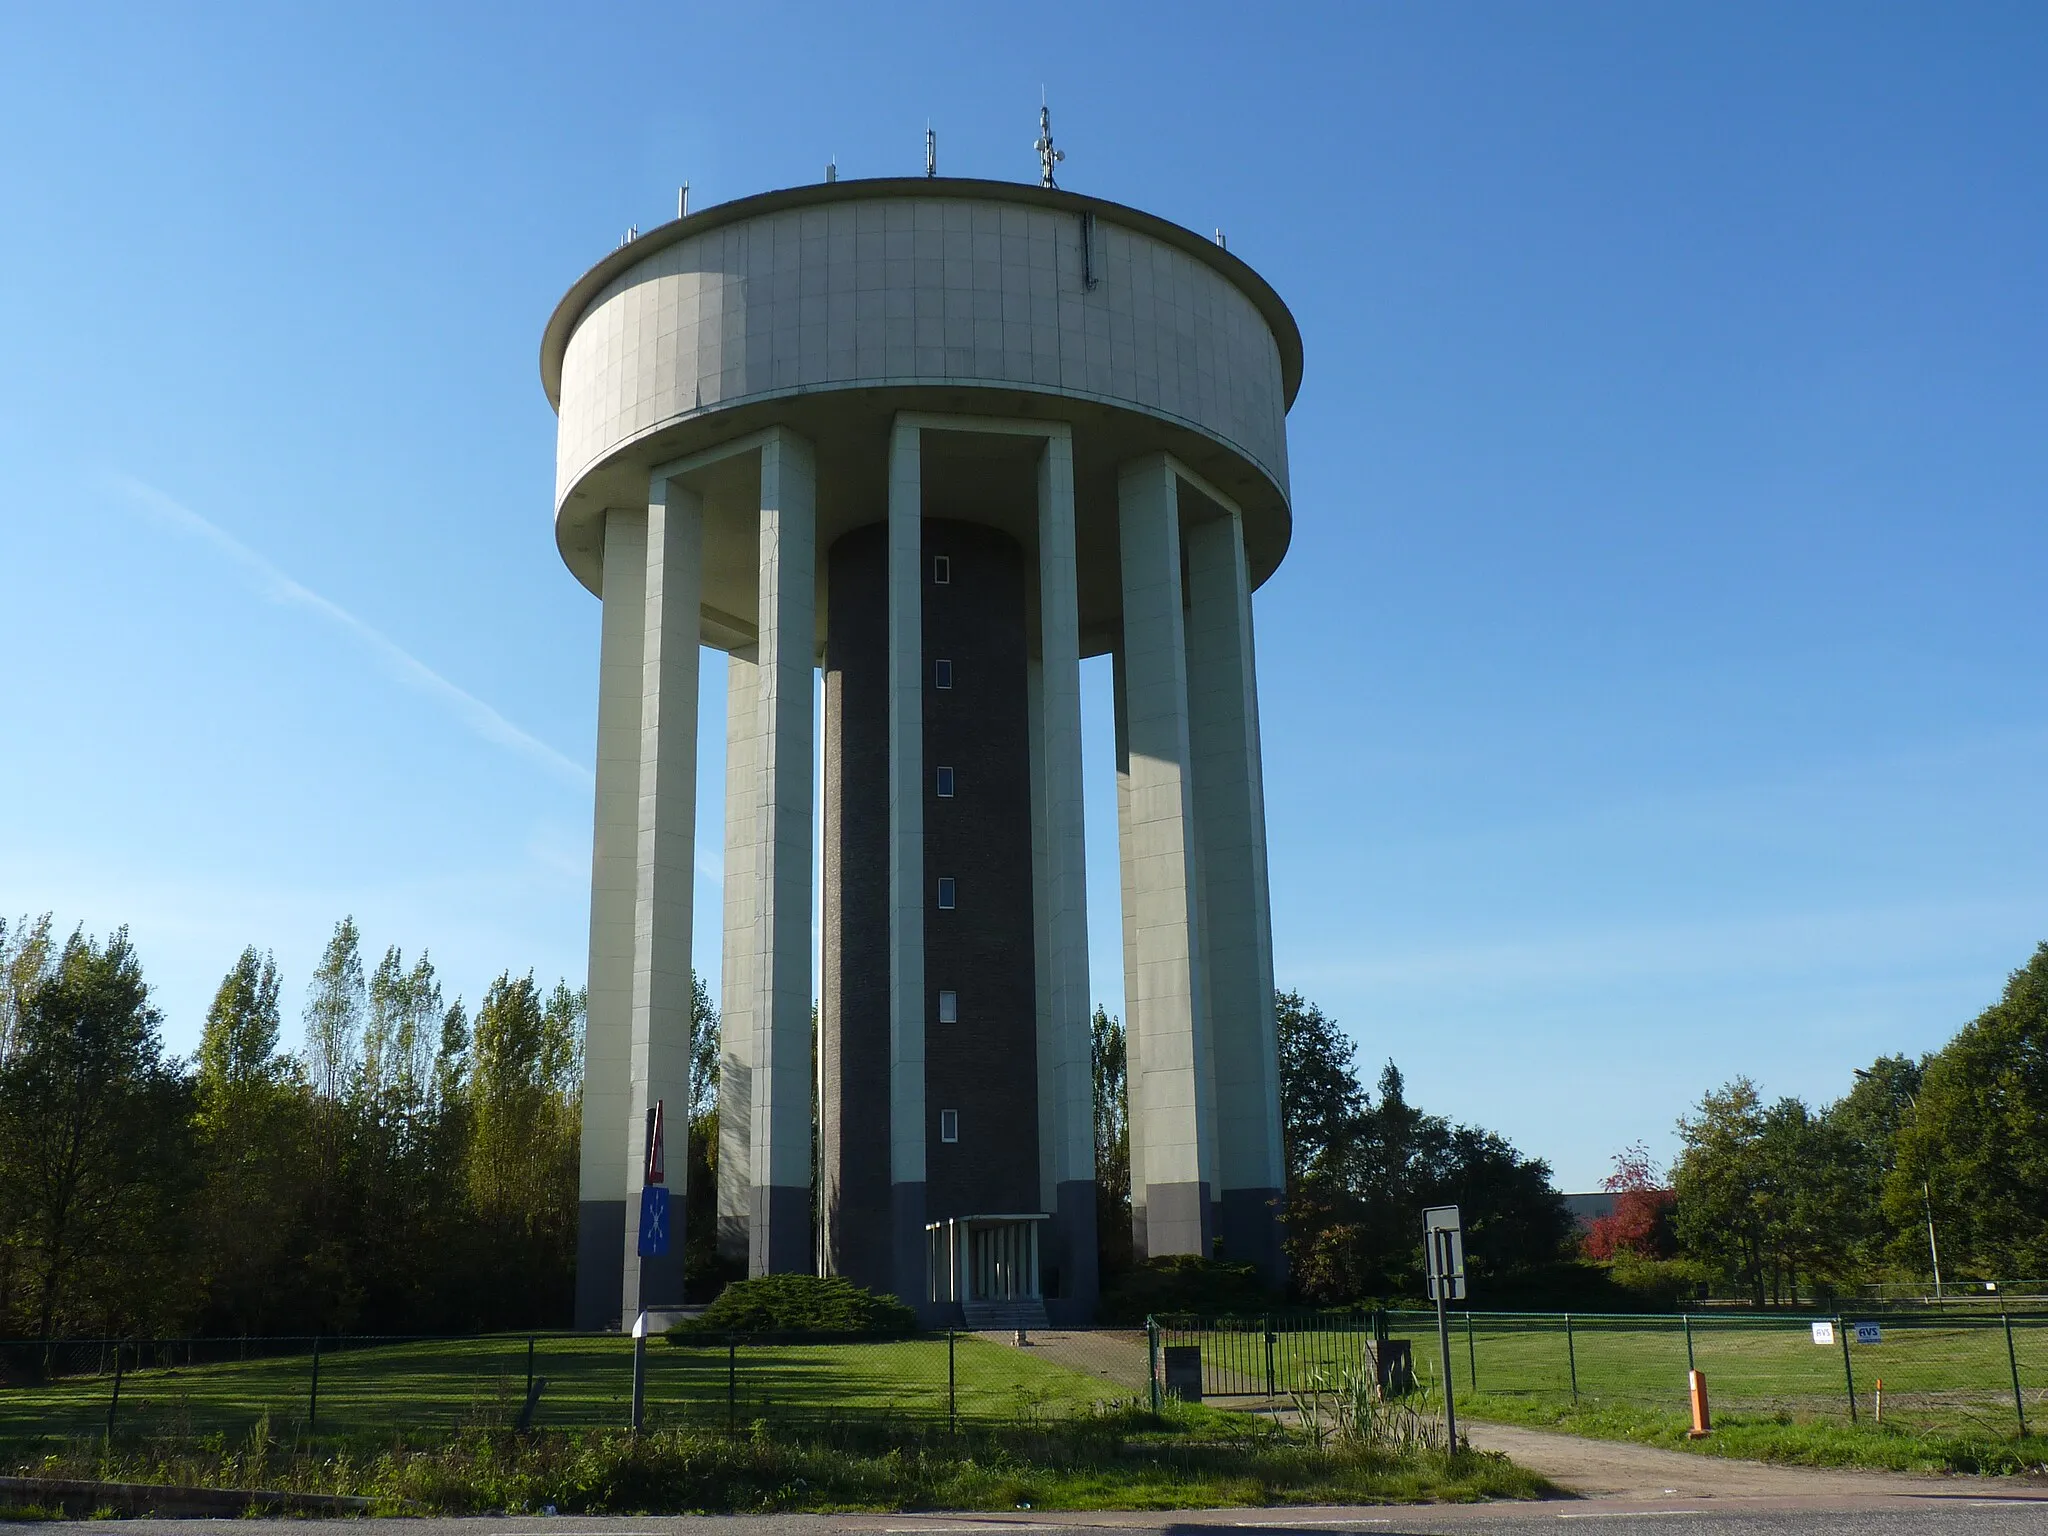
654,1222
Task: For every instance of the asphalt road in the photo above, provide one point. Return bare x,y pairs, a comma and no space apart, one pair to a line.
1956,1509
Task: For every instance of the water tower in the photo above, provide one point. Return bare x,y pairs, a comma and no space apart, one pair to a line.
941,439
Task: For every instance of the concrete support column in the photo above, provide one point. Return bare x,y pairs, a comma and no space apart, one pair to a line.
1065,1075
1230,826
739,998
908,898
601,1207
780,1121
658,1061
1134,1126
1162,962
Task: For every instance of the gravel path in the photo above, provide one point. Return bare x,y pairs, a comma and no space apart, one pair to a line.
1621,1469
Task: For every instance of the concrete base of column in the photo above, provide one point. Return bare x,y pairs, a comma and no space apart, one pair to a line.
1179,1218
600,1263
1252,1233
1070,1244
734,1234
780,1242
908,1244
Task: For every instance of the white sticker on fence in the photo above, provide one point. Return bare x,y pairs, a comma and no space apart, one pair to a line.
1823,1333
1869,1333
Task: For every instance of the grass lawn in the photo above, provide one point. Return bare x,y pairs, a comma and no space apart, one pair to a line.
422,1427
441,1384
1950,1376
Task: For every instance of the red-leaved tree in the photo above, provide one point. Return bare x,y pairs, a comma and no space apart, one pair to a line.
1641,1220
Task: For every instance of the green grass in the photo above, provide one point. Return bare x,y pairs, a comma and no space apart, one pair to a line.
1781,1437
445,1384
1123,1459
1947,1377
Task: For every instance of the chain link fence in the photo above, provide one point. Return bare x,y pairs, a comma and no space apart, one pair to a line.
340,1387
1986,1371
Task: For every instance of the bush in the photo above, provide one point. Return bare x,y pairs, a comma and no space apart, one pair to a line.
1182,1282
810,1304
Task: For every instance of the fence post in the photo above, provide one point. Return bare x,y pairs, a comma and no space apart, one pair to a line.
114,1402
732,1384
2012,1361
529,1365
1152,1360
1571,1354
1848,1371
1686,1318
1271,1386
952,1385
1471,1354
313,1399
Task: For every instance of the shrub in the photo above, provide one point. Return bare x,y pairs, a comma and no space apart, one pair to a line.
1182,1282
801,1304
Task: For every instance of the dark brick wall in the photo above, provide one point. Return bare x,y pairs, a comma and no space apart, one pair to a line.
854,1002
986,1065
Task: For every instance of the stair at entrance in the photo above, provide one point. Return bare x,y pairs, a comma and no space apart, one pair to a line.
991,1316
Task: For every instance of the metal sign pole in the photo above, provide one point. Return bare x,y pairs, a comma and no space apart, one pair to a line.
1441,1240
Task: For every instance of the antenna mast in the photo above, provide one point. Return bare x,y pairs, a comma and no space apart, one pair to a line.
931,151
1048,157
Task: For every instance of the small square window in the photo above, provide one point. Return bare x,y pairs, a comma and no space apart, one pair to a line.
942,674
949,1007
945,893
945,783
942,571
949,1125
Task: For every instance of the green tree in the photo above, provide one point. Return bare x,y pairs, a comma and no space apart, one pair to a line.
26,955
1109,1058
1978,1138
94,1145
254,1134
1320,1096
1719,1185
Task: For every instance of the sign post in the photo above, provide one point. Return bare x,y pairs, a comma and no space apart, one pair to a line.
653,1245
1443,1240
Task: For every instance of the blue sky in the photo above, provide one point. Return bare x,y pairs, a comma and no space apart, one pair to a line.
1654,691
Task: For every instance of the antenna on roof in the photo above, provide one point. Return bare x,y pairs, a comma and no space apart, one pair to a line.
683,201
1221,241
1048,157
832,169
931,151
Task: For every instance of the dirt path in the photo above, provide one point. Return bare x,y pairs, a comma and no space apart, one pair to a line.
1617,1468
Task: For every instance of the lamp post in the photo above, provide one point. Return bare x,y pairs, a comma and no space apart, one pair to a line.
1926,1190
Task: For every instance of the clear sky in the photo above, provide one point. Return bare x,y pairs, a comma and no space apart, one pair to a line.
1654,691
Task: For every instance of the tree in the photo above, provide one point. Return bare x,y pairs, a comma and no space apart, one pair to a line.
1978,1137
26,955
334,1015
1640,1224
1108,1053
1320,1097
93,1141
1719,1187
254,1137
1361,1171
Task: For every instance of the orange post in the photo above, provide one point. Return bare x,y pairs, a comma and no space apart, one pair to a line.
1696,1388
1880,1399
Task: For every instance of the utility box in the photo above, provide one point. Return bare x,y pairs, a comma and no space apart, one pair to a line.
1182,1364
1396,1361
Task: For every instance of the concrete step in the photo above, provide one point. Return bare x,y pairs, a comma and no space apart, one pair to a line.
991,1316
